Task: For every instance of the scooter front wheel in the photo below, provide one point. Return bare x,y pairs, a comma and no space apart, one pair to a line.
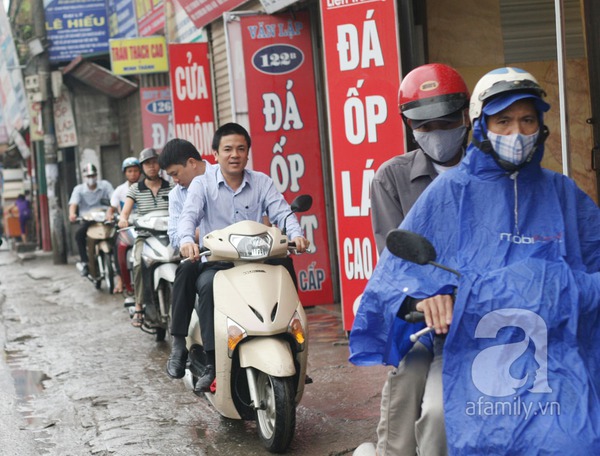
276,417
108,272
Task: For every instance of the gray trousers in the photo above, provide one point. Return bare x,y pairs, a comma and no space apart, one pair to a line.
138,285
412,412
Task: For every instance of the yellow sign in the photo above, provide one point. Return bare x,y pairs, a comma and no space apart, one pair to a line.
139,55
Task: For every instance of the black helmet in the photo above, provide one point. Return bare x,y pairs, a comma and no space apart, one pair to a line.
147,154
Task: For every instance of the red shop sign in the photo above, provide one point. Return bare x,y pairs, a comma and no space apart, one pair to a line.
362,76
191,93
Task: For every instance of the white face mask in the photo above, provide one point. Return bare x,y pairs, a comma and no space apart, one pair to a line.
441,145
91,181
513,148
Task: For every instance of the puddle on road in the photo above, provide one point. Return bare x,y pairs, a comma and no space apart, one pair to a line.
28,385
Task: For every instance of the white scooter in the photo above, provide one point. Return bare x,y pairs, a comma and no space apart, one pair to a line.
261,330
160,261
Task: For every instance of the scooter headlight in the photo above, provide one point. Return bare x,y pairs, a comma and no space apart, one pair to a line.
252,247
296,329
235,334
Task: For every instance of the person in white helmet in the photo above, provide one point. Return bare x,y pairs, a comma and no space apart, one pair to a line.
527,245
86,196
433,100
132,170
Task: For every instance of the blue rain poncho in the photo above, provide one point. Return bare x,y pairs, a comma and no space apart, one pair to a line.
528,247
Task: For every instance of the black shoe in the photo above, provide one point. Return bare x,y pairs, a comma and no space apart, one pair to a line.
176,364
204,382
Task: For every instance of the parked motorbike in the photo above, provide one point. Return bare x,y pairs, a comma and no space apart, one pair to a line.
100,243
261,331
160,261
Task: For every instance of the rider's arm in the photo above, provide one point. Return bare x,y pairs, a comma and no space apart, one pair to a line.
110,213
438,312
386,209
74,202
125,212
191,216
72,212
176,199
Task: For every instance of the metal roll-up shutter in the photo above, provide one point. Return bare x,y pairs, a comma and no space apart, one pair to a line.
529,30
223,111
222,79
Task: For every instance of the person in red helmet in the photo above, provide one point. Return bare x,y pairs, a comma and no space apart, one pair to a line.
434,102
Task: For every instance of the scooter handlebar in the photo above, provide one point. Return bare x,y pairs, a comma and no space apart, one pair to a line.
292,248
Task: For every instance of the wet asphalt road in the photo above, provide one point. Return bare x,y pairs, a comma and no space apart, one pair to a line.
77,379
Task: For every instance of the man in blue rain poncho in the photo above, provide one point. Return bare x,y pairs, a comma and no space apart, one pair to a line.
521,370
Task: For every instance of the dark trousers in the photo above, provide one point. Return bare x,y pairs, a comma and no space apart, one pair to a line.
80,239
206,299
184,296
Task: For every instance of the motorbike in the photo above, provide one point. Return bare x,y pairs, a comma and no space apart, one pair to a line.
159,263
100,243
261,331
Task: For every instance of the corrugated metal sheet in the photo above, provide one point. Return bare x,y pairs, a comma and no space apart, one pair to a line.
529,30
221,90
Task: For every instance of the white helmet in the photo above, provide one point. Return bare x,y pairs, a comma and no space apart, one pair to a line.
502,80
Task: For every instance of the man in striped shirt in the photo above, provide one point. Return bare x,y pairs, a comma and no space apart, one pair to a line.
151,194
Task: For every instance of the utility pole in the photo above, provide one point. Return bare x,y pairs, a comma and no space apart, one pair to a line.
51,219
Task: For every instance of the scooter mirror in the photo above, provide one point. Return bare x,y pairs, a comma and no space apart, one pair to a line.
301,203
410,246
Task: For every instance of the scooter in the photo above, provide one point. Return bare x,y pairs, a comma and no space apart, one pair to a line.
160,262
261,331
100,243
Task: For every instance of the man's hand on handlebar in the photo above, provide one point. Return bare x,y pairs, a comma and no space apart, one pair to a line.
123,223
438,312
190,250
301,244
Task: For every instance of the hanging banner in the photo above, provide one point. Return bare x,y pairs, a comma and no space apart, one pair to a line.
180,28
13,100
36,126
203,12
122,20
156,112
362,76
64,121
75,27
139,55
282,107
191,93
150,16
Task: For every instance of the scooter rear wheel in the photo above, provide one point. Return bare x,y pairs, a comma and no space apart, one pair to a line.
276,419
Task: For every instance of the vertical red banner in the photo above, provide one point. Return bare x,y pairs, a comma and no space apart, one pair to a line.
282,108
363,76
156,111
191,94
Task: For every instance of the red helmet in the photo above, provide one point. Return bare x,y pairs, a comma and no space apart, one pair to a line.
432,91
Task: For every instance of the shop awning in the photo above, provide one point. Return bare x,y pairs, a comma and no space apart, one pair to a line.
99,78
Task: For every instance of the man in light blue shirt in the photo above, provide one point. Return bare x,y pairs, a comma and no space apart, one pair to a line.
85,197
223,196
